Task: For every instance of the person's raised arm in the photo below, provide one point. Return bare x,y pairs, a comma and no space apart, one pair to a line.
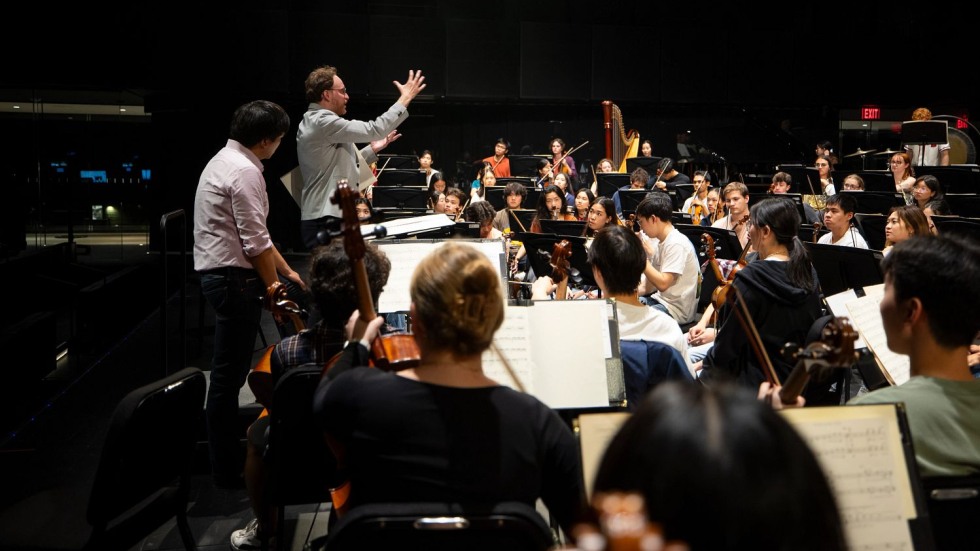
411,88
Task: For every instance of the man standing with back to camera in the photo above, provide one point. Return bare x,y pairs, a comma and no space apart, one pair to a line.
325,144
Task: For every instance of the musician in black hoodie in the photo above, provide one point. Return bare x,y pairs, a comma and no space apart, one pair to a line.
781,294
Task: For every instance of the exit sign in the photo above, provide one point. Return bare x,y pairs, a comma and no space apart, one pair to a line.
870,113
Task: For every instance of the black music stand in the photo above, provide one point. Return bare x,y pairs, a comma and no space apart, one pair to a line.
678,217
523,180
966,205
405,198
969,227
923,133
630,198
495,196
648,164
875,202
842,268
726,242
878,180
797,200
608,183
401,178
568,228
539,246
955,179
533,196
872,227
523,216
525,165
681,193
398,161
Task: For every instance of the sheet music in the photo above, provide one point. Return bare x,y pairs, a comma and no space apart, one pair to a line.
860,450
405,256
560,376
866,317
595,431
838,307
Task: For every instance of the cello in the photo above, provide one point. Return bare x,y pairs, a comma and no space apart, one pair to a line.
390,352
834,349
260,379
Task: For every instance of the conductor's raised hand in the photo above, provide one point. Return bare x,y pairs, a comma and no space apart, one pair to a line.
378,145
413,85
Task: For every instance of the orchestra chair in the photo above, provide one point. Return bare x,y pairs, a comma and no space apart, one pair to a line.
141,481
647,364
872,227
426,526
954,508
301,466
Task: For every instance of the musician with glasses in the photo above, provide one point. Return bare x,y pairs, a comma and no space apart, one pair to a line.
325,144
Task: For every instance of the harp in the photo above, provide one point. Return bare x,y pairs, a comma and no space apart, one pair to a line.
620,144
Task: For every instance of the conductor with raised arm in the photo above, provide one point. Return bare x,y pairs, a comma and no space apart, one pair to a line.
325,143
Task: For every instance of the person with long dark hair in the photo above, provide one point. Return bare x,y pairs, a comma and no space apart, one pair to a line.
780,291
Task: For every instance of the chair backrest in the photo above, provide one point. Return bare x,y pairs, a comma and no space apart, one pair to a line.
647,364
149,446
954,508
513,526
303,469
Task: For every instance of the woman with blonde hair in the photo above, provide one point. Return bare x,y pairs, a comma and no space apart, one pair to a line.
443,431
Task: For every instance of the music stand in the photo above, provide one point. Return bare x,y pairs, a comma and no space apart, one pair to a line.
678,217
401,178
877,180
525,165
608,183
539,246
872,227
398,161
875,202
629,199
411,198
923,133
523,180
533,196
966,205
520,219
495,196
842,268
797,200
954,179
726,242
681,193
968,227
648,164
568,228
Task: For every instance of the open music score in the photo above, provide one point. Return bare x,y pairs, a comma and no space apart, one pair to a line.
863,452
587,375
866,318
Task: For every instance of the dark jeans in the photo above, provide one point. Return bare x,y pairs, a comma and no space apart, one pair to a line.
235,294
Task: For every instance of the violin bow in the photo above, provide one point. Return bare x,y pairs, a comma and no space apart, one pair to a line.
552,170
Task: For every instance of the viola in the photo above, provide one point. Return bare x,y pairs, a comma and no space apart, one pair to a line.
560,266
390,352
834,349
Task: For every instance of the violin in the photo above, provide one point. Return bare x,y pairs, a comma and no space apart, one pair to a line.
390,352
259,379
560,266
834,349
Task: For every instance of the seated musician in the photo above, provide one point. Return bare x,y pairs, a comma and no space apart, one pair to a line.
736,196
482,213
551,206
545,174
499,162
455,199
583,201
929,313
602,214
903,223
333,289
563,181
716,210
514,194
781,295
563,163
721,453
638,181
669,178
670,278
443,431
604,165
782,182
697,204
853,182
484,179
838,217
437,201
425,164
618,259
364,211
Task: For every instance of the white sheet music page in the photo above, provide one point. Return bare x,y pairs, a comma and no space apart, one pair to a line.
860,451
838,307
866,317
